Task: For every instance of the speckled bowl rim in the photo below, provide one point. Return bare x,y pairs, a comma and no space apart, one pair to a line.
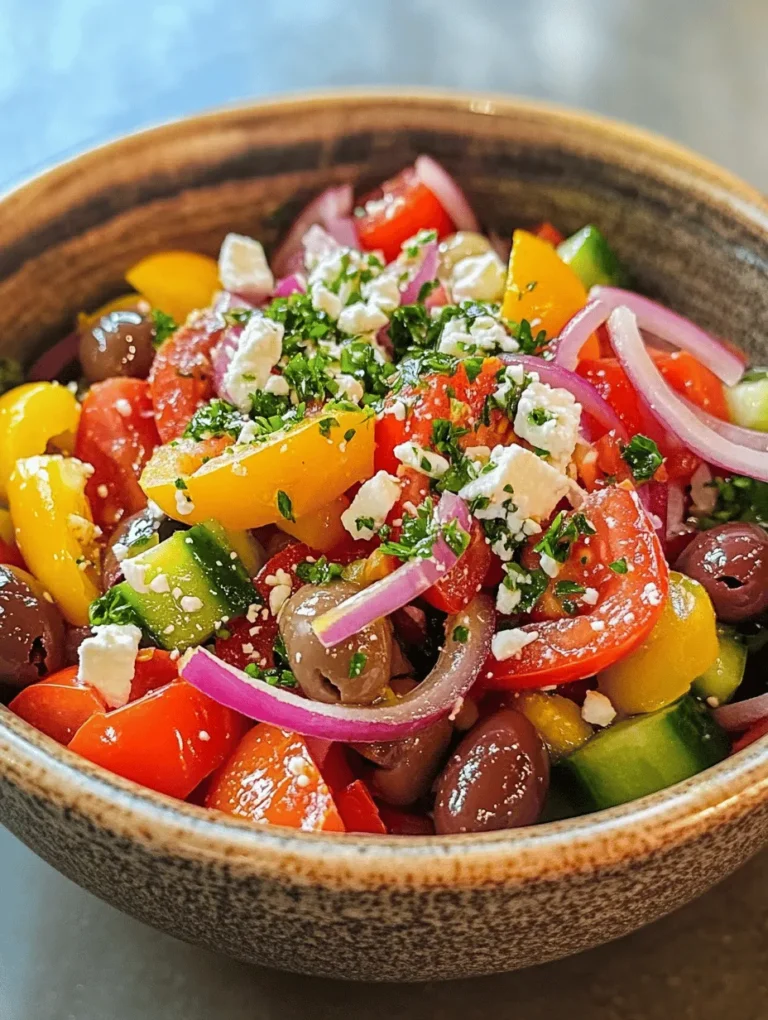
609,838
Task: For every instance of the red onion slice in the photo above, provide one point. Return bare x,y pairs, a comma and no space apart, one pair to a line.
735,433
726,364
576,332
742,714
454,673
447,192
673,412
221,355
330,205
426,273
398,588
294,284
591,402
51,363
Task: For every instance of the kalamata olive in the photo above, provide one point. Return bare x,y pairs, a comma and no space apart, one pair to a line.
731,562
497,778
31,630
136,533
324,673
407,767
73,638
119,343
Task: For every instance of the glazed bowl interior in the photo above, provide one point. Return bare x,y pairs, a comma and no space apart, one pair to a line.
693,236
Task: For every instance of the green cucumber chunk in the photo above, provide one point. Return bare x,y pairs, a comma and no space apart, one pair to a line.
641,755
592,259
202,582
748,401
722,679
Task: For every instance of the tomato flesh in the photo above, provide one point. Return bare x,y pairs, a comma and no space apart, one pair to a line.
116,436
402,208
572,648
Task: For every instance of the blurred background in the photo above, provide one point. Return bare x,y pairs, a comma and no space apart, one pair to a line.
77,72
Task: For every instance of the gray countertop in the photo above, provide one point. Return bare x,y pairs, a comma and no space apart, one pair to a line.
75,72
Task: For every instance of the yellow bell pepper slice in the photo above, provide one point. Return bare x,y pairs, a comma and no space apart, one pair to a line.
322,529
7,531
540,286
176,282
55,530
33,416
557,719
292,473
681,647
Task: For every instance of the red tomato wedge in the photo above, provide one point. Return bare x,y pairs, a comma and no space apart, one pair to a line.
399,209
358,809
116,435
169,740
460,585
59,705
629,604
271,777
181,379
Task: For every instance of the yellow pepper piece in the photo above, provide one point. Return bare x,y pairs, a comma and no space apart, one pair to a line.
55,530
557,719
322,529
377,566
31,417
681,647
540,286
117,304
300,469
176,282
7,532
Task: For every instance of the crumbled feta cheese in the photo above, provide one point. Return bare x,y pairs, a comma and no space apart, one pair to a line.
243,267
350,388
324,300
549,419
102,491
123,407
590,596
259,350
597,709
651,595
372,503
482,454
159,584
478,278
549,565
280,576
597,625
278,385
514,376
398,409
184,505
120,551
508,644
428,463
278,596
507,599
190,604
84,531
361,317
485,335
134,572
108,661
252,613
520,488
382,292
204,735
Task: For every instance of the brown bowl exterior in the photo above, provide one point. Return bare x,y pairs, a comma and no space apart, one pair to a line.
373,907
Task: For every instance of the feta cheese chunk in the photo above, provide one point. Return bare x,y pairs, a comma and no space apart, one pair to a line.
134,572
324,300
478,278
507,599
549,419
361,317
371,505
258,351
484,335
433,465
533,486
382,292
597,709
349,388
508,644
278,385
243,267
108,661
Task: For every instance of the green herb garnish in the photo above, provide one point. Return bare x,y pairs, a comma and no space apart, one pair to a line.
284,505
643,457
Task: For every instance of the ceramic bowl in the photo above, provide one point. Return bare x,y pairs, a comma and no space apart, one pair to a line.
377,907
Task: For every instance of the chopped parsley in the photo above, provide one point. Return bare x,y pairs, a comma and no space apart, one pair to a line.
561,534
530,583
619,566
365,523
320,572
113,607
569,588
461,634
284,505
325,425
419,533
445,436
11,374
237,316
349,435
216,418
179,483
357,664
529,344
738,499
164,325
274,676
540,416
642,456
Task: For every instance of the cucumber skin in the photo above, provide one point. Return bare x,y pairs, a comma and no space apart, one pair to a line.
748,404
594,777
592,259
